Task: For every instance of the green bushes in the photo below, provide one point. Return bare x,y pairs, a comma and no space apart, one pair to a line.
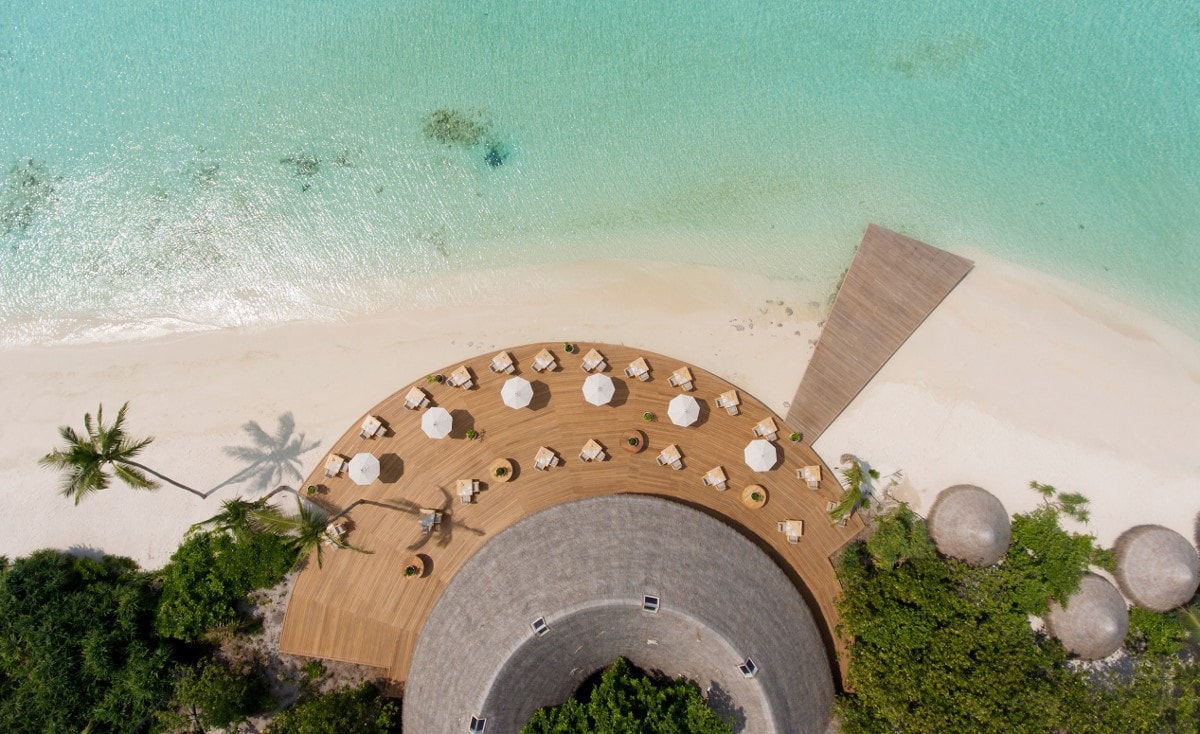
940,646
625,700
212,695
211,572
359,710
76,645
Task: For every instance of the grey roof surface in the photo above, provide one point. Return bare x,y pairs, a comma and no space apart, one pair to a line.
1095,621
968,523
1157,568
584,566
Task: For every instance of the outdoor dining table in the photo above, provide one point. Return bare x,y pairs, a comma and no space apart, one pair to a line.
638,367
428,519
728,399
544,458
371,427
682,377
334,465
467,488
592,360
460,376
502,362
766,428
415,397
811,475
591,450
670,454
544,360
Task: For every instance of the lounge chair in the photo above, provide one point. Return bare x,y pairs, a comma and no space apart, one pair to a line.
643,376
629,372
677,464
662,460
731,409
719,484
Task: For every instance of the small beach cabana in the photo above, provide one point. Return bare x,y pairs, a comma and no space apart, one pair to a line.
437,423
517,392
1095,621
363,469
760,455
1157,568
968,523
598,389
684,410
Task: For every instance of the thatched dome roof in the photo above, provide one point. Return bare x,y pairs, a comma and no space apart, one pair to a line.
1157,568
584,568
1095,621
970,524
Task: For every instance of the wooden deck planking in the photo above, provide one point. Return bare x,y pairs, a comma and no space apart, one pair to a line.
893,284
360,608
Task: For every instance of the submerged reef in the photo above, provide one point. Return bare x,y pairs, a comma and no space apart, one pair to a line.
457,127
26,193
304,165
496,154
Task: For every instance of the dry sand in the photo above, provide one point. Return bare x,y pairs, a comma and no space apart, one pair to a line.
1016,377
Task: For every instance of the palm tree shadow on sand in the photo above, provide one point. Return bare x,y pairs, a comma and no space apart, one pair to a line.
270,460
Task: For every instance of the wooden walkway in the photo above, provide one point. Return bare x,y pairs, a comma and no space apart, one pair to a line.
892,286
360,608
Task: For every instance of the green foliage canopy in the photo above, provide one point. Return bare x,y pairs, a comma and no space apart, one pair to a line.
627,701
359,710
211,572
214,696
76,645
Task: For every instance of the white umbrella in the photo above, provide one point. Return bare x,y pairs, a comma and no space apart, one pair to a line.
364,469
598,389
437,423
517,392
760,455
684,410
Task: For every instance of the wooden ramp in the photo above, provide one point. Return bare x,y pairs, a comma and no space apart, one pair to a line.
892,286
360,608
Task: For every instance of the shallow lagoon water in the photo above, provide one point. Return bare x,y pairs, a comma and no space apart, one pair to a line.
205,164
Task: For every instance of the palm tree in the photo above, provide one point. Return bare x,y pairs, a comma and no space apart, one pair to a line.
237,516
86,459
308,528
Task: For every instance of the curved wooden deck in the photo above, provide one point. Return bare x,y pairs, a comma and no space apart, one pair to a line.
360,608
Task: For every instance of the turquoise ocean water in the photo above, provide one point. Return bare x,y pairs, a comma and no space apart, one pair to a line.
184,164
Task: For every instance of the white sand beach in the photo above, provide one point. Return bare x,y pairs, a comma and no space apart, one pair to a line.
1017,376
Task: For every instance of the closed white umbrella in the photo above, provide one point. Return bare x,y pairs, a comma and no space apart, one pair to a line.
517,392
437,423
598,389
684,410
363,469
761,455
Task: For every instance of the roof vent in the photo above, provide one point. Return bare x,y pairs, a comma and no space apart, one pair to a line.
477,725
748,668
539,627
649,603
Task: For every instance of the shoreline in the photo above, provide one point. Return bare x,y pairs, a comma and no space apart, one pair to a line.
962,382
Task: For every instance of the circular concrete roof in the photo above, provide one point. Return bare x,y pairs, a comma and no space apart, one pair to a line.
970,524
1095,621
584,567
1157,568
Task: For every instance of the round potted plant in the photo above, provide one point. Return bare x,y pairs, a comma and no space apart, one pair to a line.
435,378
501,472
472,434
312,489
633,441
648,416
568,347
795,437
414,567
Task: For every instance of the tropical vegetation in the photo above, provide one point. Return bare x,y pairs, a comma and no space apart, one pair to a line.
937,645
627,700
360,710
86,459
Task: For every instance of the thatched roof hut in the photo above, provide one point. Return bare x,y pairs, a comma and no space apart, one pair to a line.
1157,568
583,568
1095,621
970,524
